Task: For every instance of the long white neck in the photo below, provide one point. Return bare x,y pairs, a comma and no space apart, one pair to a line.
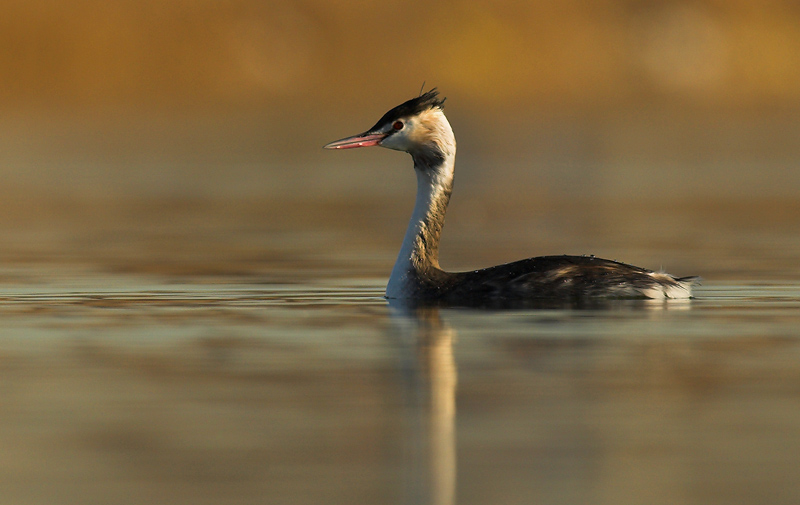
419,253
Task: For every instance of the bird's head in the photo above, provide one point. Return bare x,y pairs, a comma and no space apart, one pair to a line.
417,126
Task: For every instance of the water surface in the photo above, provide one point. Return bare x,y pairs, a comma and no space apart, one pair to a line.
194,352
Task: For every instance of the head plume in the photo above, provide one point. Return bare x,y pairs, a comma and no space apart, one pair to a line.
417,105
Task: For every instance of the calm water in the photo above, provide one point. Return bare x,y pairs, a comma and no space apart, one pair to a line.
197,352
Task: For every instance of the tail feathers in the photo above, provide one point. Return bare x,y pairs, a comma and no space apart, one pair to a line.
669,287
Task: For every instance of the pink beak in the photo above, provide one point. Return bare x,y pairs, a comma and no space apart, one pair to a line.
361,140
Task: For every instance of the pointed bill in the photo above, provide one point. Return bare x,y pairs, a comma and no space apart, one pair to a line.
361,140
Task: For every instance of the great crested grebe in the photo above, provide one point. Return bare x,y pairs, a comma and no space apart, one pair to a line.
420,128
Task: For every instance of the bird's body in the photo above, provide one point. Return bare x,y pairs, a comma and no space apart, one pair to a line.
420,128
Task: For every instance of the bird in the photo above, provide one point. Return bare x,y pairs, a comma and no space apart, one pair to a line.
419,127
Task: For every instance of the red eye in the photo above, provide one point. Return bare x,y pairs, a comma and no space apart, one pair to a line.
398,125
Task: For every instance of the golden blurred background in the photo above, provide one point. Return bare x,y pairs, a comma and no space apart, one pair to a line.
179,55
620,99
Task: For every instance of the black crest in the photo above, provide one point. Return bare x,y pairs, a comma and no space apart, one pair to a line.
425,101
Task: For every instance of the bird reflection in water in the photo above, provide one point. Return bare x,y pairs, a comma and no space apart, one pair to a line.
431,378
